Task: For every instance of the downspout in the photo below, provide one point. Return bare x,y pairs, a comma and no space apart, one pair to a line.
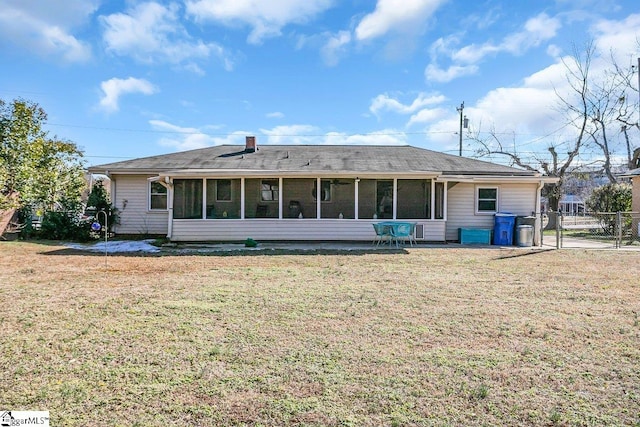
169,183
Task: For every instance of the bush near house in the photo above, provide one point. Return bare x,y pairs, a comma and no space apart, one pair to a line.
609,199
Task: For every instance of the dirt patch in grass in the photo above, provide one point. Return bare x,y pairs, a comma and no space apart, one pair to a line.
428,337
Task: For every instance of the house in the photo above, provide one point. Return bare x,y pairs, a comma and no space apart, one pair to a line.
313,192
634,176
569,204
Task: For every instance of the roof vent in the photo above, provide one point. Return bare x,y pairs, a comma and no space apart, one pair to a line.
250,146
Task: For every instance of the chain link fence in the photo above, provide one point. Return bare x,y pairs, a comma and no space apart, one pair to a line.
591,229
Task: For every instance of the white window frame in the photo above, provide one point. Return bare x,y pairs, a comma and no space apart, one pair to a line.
230,190
273,192
151,194
478,200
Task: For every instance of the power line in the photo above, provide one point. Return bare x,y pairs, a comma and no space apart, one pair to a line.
227,134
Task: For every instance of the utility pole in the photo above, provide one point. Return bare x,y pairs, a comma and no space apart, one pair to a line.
464,121
460,110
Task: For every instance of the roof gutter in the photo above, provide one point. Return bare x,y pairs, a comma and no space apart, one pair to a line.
204,173
494,178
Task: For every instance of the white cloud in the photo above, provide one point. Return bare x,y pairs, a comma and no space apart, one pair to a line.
464,60
406,16
267,18
554,51
536,30
151,32
292,134
620,38
386,103
46,27
275,115
190,138
335,47
312,135
381,137
114,88
436,74
427,115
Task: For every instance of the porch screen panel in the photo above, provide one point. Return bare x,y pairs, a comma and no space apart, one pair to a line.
298,197
223,198
413,198
366,198
187,199
261,198
439,200
384,198
342,198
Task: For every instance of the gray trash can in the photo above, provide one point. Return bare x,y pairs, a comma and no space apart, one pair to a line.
526,220
524,235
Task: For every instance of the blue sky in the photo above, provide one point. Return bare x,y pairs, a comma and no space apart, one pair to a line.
126,79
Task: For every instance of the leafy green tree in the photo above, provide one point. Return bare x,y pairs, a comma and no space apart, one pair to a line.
45,173
608,199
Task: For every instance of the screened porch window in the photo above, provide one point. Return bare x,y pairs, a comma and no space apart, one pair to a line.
414,199
187,199
384,198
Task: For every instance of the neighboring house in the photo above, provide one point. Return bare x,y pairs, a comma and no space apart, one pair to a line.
634,176
569,204
313,192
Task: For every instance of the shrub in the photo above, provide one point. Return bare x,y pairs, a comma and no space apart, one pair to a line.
58,225
97,201
608,199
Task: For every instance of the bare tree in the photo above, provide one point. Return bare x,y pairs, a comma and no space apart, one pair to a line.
595,105
629,82
575,109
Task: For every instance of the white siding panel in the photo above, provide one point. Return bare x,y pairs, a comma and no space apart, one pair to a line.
136,218
518,199
294,229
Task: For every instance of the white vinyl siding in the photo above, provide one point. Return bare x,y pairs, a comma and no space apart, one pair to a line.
518,199
135,217
288,229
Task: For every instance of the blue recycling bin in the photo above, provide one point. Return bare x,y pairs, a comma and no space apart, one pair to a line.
503,229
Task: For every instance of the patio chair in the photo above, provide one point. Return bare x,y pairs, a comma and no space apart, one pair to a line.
412,234
402,232
383,234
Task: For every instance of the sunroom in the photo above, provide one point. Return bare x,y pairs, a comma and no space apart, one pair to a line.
277,207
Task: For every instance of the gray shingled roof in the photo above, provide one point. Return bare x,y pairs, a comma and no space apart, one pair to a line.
314,158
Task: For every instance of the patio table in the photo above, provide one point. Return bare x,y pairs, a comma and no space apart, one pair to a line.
396,231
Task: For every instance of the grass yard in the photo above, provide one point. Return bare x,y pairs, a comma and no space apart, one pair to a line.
442,337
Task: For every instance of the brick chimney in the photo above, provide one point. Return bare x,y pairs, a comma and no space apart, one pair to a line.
250,146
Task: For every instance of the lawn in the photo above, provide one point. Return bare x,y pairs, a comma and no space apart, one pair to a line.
429,336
